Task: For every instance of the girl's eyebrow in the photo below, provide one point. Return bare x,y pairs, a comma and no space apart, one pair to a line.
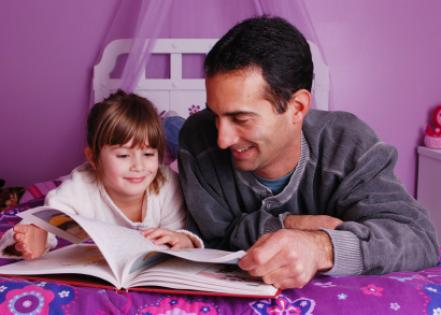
119,146
126,146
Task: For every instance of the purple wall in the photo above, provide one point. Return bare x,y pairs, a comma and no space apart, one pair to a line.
384,61
46,57
385,64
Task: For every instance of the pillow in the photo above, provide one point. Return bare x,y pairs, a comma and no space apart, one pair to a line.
172,124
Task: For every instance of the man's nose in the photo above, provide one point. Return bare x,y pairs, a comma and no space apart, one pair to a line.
226,134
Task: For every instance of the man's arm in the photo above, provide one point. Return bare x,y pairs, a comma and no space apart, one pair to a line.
356,171
394,231
311,222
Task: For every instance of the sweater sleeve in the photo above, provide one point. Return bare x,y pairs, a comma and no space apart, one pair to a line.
393,229
355,181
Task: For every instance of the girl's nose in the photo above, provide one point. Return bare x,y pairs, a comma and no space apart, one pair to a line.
136,164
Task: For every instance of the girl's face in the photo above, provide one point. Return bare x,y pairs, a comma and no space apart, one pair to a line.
127,172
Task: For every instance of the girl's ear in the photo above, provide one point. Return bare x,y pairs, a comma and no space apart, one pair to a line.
89,156
299,103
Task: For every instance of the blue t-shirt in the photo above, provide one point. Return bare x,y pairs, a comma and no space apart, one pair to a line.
275,185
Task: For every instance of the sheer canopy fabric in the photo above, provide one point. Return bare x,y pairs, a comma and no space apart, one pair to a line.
152,19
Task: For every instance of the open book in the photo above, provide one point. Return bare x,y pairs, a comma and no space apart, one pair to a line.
124,258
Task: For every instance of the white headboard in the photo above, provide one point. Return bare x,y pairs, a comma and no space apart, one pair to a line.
177,94
174,93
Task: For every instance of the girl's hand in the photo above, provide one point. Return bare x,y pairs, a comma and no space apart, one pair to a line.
30,240
173,239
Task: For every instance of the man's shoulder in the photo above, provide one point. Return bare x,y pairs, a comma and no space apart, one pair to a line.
336,124
198,132
317,118
201,119
338,139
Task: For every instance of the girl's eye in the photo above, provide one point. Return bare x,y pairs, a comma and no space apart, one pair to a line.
149,154
122,156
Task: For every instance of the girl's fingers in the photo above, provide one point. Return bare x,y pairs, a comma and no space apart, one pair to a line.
147,232
20,247
155,233
21,228
18,237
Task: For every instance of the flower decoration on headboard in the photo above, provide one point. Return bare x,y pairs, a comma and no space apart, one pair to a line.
193,109
432,137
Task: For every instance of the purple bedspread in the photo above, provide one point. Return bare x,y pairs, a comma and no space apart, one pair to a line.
396,293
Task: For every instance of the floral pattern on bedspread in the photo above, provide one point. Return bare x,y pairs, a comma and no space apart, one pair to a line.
20,297
395,293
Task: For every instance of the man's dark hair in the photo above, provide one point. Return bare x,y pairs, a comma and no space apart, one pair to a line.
271,44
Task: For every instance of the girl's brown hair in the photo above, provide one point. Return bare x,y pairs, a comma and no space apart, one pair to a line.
120,118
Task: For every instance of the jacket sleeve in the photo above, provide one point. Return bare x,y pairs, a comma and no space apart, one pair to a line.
394,230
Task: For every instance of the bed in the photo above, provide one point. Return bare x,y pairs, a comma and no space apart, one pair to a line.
395,293
179,96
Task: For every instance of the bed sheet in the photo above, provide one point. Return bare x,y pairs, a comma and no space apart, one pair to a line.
395,293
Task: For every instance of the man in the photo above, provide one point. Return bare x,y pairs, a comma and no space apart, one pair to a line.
305,191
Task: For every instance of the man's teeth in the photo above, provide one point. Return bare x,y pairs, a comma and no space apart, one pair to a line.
242,149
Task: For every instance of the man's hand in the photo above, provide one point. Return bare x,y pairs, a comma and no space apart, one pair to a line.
311,222
289,258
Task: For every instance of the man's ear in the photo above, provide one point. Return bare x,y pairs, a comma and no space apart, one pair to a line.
89,156
300,102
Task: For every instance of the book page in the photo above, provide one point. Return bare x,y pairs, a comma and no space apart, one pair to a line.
79,259
208,255
126,251
117,244
56,222
182,274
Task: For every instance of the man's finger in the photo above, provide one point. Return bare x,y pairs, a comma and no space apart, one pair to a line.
261,252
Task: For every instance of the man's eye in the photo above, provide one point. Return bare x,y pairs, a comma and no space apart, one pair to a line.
240,120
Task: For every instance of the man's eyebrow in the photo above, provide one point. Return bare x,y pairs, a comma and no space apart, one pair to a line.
233,113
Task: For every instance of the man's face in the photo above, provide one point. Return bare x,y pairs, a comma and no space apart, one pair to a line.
260,139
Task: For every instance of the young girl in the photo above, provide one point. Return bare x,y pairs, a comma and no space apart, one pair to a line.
122,182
